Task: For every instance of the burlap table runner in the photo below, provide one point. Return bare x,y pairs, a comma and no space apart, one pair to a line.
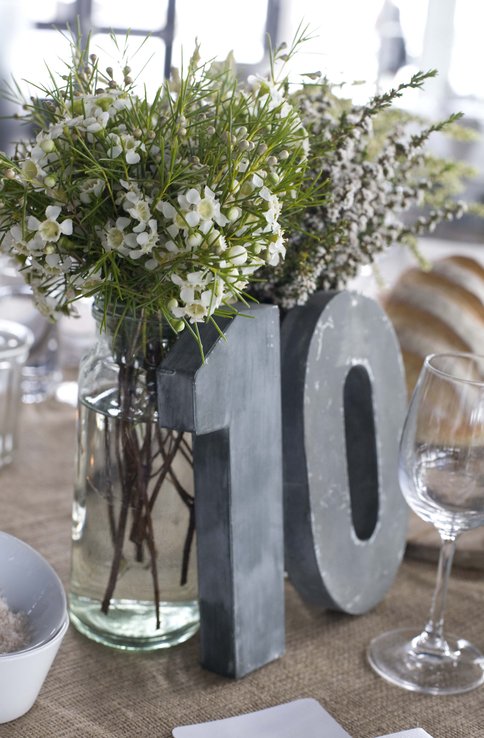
95,691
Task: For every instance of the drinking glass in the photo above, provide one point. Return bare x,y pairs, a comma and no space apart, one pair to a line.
15,342
441,474
41,373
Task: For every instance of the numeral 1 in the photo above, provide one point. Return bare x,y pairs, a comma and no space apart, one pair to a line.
232,405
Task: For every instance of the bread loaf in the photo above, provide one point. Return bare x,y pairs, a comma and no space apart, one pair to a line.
438,310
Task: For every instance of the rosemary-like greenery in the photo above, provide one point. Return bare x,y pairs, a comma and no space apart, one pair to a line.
166,206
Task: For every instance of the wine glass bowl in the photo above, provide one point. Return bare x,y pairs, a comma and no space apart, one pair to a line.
441,474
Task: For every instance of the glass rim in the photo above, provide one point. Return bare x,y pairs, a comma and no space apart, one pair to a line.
22,335
455,355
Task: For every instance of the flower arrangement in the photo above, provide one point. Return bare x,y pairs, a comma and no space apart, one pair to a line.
379,185
177,206
166,206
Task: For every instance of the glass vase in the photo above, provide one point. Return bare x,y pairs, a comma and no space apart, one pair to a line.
133,568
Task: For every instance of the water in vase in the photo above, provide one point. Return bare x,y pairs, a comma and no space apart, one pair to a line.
133,576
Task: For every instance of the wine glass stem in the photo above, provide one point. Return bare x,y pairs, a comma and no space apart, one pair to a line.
435,626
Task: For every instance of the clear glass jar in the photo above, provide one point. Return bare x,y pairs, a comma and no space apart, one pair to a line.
133,571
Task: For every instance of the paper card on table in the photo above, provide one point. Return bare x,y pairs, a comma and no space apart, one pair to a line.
303,717
416,733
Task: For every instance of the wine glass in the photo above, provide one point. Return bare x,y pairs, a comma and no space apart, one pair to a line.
441,474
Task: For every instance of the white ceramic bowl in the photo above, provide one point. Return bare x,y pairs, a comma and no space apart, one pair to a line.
30,585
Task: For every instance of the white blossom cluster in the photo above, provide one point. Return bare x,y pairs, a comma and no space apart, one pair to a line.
182,198
372,182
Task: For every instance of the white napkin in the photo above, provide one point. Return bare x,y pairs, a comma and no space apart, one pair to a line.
416,733
303,717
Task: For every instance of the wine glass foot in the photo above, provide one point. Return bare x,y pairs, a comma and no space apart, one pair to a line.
456,669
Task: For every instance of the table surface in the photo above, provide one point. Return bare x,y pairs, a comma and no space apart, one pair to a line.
92,690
